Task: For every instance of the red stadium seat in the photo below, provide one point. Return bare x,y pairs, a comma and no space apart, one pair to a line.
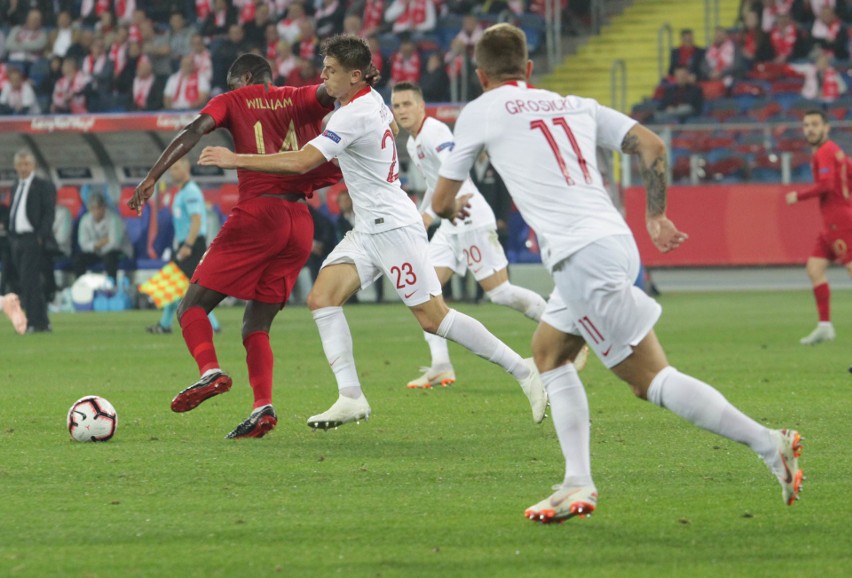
791,85
770,71
726,168
765,111
69,197
712,89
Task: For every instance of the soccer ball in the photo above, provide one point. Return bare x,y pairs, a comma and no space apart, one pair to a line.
92,419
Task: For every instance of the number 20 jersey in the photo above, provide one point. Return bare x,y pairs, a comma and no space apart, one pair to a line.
544,145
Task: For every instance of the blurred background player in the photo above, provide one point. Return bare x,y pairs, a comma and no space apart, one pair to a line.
189,215
11,306
593,259
267,238
456,247
830,169
388,238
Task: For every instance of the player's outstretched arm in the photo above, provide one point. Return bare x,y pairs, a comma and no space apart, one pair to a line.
651,151
288,163
185,140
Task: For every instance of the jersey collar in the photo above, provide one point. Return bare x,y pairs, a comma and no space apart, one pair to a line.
518,83
360,93
419,128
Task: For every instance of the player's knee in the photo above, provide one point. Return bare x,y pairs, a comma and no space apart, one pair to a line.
319,300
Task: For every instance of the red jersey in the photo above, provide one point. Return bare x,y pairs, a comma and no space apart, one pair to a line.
830,169
268,119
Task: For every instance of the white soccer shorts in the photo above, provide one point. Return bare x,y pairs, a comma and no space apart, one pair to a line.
595,297
402,254
477,250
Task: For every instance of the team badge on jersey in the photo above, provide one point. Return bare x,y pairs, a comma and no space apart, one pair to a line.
332,135
420,154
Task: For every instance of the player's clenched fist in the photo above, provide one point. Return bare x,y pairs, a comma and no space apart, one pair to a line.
664,234
219,157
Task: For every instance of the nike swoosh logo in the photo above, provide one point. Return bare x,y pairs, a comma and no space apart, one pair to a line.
608,349
562,500
407,295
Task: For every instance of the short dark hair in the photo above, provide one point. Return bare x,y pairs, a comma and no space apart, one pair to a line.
685,31
400,86
256,65
816,112
501,53
352,53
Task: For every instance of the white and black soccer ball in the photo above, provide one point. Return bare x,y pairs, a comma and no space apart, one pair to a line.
92,419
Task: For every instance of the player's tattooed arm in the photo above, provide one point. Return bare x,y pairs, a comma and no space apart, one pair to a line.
652,154
651,151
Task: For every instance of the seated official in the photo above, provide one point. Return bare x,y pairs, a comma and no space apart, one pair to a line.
102,237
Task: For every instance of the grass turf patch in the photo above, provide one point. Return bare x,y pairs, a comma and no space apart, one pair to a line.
437,481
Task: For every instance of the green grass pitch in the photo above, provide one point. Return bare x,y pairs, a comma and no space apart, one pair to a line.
435,484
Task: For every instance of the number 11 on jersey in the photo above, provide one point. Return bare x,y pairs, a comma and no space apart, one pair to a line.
554,146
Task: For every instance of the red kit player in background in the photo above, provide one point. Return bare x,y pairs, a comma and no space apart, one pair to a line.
267,238
830,167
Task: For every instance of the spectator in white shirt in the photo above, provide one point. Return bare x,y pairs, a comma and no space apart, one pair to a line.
411,15
17,95
62,37
69,93
186,88
201,56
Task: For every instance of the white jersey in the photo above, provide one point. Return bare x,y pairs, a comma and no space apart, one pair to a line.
543,146
359,136
427,151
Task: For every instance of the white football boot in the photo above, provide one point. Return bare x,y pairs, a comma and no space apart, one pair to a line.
823,332
344,410
431,379
786,466
564,504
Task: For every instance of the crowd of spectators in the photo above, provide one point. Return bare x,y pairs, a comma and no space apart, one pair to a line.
801,45
72,56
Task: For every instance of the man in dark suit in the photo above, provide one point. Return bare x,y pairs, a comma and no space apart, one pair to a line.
31,237
687,54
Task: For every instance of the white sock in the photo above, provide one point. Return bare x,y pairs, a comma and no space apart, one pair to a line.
702,405
472,335
824,324
210,371
337,344
569,410
527,302
439,351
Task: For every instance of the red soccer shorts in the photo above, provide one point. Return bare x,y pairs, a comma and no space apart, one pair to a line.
834,246
259,252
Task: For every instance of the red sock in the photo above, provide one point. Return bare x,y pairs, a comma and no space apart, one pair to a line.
822,294
198,335
259,360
